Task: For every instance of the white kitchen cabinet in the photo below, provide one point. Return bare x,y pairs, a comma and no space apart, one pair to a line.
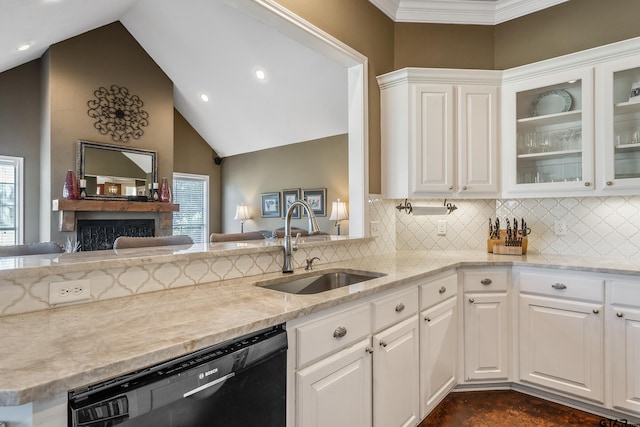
395,379
359,366
438,341
439,133
618,127
623,328
486,325
548,132
337,390
561,332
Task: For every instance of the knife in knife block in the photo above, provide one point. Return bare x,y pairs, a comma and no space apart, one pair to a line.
498,246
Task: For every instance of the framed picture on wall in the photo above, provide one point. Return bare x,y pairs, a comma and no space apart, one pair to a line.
288,197
317,198
270,206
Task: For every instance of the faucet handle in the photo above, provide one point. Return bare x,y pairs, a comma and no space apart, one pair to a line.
310,263
295,242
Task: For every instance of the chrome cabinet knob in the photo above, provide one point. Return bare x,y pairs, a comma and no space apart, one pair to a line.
620,314
486,282
340,332
609,183
471,300
596,311
399,307
464,188
442,290
451,187
587,184
559,286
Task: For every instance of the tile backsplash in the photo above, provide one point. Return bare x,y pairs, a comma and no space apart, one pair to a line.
596,226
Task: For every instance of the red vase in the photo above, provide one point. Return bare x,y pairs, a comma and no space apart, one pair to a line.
165,191
70,188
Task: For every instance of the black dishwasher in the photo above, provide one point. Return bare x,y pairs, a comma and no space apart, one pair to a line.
238,383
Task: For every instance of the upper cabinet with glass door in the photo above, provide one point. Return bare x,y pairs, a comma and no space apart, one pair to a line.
548,132
618,133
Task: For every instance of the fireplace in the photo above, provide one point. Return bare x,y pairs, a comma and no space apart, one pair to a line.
99,234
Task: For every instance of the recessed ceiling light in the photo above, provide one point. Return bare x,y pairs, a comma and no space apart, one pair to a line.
24,47
204,97
260,74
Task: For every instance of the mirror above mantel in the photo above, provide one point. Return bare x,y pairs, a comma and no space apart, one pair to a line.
115,171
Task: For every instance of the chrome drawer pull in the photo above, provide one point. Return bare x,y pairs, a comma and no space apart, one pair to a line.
399,307
427,319
382,343
485,281
559,286
619,314
369,350
442,290
596,311
471,300
340,332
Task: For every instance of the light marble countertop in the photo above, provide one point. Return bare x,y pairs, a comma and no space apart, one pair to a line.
49,352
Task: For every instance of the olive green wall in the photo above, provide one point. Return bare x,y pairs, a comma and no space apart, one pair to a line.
20,134
321,163
192,154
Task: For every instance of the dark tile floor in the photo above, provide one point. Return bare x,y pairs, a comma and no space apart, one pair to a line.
504,408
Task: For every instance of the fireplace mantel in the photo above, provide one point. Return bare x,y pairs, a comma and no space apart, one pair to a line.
68,209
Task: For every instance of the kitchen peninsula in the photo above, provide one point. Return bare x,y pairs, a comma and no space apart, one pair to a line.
68,347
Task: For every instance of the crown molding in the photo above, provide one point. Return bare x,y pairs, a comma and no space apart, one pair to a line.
474,12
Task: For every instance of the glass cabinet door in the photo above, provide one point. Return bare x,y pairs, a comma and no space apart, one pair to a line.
551,143
619,135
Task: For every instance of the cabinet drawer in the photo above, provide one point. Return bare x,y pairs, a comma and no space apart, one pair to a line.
395,307
332,333
486,280
625,292
562,285
438,290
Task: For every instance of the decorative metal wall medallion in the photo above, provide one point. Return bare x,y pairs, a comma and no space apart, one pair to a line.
118,113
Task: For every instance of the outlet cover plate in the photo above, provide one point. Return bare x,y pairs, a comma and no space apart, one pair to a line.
442,227
69,291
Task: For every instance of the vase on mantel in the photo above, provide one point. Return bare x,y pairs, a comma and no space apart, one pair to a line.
165,191
70,188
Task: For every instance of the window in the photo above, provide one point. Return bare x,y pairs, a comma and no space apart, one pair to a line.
11,185
191,192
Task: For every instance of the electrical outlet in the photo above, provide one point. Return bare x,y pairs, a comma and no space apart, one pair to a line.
442,227
560,228
69,291
375,228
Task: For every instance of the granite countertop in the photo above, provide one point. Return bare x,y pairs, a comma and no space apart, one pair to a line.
49,352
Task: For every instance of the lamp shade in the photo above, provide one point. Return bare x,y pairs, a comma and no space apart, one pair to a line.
338,211
242,212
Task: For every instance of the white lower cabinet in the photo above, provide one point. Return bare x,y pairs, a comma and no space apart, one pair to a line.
359,367
438,341
623,327
486,325
337,390
395,379
561,332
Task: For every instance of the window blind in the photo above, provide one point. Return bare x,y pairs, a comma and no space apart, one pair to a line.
191,192
10,200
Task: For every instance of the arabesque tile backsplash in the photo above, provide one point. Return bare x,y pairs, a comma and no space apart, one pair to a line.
596,226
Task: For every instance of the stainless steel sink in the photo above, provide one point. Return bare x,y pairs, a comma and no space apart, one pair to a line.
313,283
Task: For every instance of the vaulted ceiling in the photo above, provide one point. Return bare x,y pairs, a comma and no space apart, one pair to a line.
214,47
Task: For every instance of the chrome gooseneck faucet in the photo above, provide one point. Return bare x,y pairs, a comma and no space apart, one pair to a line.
288,247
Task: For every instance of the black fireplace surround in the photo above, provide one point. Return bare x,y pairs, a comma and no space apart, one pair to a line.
99,234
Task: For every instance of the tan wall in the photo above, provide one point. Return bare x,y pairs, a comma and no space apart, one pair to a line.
20,134
77,67
443,46
569,27
361,25
320,163
192,154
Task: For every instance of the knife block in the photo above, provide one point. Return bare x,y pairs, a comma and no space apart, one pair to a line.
497,246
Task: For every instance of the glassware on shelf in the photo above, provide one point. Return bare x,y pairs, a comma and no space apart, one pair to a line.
165,191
